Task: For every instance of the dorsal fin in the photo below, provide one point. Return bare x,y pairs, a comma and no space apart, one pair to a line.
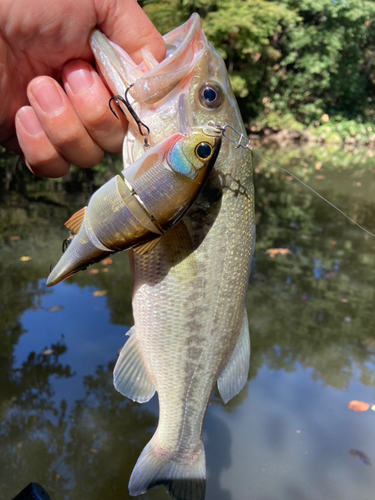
75,221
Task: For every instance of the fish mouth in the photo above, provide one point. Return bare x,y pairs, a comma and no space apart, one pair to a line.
150,81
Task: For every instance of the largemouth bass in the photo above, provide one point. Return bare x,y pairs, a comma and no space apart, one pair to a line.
190,323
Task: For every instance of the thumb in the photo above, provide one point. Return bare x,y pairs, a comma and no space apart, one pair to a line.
125,23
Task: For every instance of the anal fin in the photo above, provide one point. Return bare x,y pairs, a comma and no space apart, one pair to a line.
234,376
130,376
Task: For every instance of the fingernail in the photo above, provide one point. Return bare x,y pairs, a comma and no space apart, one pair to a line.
79,80
29,121
48,97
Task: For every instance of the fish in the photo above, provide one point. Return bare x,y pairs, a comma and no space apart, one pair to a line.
136,208
189,292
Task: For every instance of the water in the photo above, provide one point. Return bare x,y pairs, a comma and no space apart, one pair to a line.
287,436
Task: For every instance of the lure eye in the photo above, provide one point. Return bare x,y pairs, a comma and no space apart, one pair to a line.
210,95
203,151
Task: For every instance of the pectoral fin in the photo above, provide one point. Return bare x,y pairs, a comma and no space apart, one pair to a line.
234,376
130,376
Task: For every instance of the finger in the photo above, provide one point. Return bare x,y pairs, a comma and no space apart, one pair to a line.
41,157
90,98
126,24
61,123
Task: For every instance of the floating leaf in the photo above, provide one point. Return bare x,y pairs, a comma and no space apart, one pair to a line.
278,251
55,308
14,238
105,270
47,352
358,406
107,262
93,271
362,456
99,293
25,258
330,276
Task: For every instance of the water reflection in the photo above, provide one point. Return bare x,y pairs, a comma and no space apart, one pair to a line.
287,435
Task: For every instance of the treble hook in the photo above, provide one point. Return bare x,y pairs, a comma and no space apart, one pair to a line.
142,127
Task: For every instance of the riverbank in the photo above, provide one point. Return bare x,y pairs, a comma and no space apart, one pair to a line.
349,133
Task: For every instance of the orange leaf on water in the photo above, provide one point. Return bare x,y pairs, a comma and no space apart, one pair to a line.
318,165
358,406
275,251
94,271
99,293
107,261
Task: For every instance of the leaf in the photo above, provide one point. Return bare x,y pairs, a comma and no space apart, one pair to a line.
106,262
105,270
55,308
358,406
14,238
99,293
278,251
93,271
362,456
47,352
25,258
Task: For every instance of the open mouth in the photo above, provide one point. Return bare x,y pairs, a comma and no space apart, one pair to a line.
151,81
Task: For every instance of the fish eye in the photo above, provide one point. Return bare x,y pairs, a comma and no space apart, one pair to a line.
203,151
210,95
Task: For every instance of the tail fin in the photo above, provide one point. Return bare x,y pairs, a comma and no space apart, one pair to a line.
185,480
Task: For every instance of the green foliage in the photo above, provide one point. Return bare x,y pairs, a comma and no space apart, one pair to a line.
349,131
295,58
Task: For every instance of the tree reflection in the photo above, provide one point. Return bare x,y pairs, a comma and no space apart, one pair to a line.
107,434
33,425
315,305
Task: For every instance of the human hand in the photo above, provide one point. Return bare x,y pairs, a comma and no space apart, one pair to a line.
44,42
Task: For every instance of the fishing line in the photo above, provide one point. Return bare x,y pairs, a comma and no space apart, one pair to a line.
246,145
